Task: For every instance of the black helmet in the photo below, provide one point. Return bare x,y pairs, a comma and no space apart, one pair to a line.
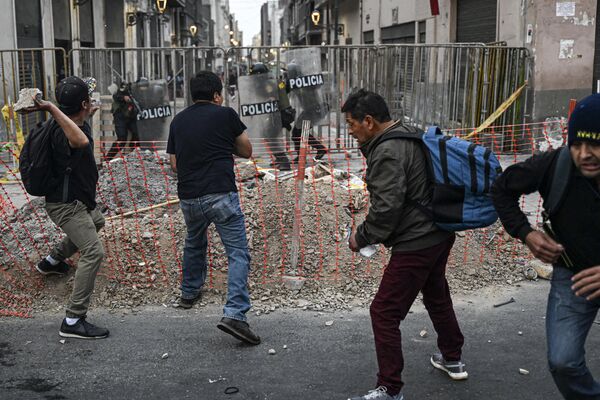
293,70
258,68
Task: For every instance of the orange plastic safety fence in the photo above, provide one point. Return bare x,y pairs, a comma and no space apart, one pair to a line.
145,231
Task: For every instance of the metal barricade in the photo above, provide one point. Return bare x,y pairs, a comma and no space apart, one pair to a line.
451,85
27,68
175,66
19,69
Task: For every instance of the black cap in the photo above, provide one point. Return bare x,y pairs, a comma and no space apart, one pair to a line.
583,123
70,93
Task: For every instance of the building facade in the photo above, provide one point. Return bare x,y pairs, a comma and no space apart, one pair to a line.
562,37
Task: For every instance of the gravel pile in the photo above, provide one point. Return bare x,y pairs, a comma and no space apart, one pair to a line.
142,178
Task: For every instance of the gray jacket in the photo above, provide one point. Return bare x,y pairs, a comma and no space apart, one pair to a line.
396,179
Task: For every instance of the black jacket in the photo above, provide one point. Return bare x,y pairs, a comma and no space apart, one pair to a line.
576,223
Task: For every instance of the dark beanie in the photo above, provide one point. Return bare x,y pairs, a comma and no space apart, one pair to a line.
70,93
584,123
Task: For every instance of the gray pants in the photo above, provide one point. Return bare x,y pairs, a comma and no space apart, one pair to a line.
81,227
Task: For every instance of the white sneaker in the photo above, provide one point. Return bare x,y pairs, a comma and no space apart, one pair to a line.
455,369
378,394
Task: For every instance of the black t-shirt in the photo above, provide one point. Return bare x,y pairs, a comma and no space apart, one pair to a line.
202,138
84,173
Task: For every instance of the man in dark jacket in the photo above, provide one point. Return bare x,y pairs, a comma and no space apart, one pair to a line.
396,180
72,204
574,250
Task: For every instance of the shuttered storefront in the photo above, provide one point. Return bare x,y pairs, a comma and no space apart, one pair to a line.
403,33
476,21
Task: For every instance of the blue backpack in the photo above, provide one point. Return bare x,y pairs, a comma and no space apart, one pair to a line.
462,174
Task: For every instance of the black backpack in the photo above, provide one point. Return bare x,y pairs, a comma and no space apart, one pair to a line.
35,160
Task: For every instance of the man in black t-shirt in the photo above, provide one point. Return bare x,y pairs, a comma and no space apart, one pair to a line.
202,141
72,203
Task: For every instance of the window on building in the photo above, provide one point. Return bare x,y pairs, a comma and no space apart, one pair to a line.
86,24
29,24
115,27
369,37
29,35
422,32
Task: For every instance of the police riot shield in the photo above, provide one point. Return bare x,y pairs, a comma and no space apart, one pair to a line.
259,111
154,111
305,82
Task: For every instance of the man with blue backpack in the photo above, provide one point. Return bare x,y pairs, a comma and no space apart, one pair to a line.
401,215
568,179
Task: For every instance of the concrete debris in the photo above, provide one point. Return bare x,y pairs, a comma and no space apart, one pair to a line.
523,371
272,351
26,98
530,273
542,269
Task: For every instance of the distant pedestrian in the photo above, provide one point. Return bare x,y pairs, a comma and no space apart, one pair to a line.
202,141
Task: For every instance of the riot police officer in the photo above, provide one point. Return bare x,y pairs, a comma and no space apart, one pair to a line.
312,108
265,90
125,111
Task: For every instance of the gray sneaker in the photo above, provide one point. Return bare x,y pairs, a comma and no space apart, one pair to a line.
455,369
378,394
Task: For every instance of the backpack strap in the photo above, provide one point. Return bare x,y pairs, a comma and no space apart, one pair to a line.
560,180
416,134
51,124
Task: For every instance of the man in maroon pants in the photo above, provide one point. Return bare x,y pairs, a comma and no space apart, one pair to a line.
397,180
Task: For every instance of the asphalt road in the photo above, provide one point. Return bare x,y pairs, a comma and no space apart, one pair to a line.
321,362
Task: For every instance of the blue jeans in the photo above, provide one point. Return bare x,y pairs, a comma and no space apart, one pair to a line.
568,321
222,209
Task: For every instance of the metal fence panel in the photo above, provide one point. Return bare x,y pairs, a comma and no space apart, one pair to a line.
451,85
27,68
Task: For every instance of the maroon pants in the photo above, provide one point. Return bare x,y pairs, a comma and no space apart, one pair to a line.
406,274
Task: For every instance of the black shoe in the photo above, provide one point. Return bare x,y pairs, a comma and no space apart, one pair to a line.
189,303
45,268
82,330
239,330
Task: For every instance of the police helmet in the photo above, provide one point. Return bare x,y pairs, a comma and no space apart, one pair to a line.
258,68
